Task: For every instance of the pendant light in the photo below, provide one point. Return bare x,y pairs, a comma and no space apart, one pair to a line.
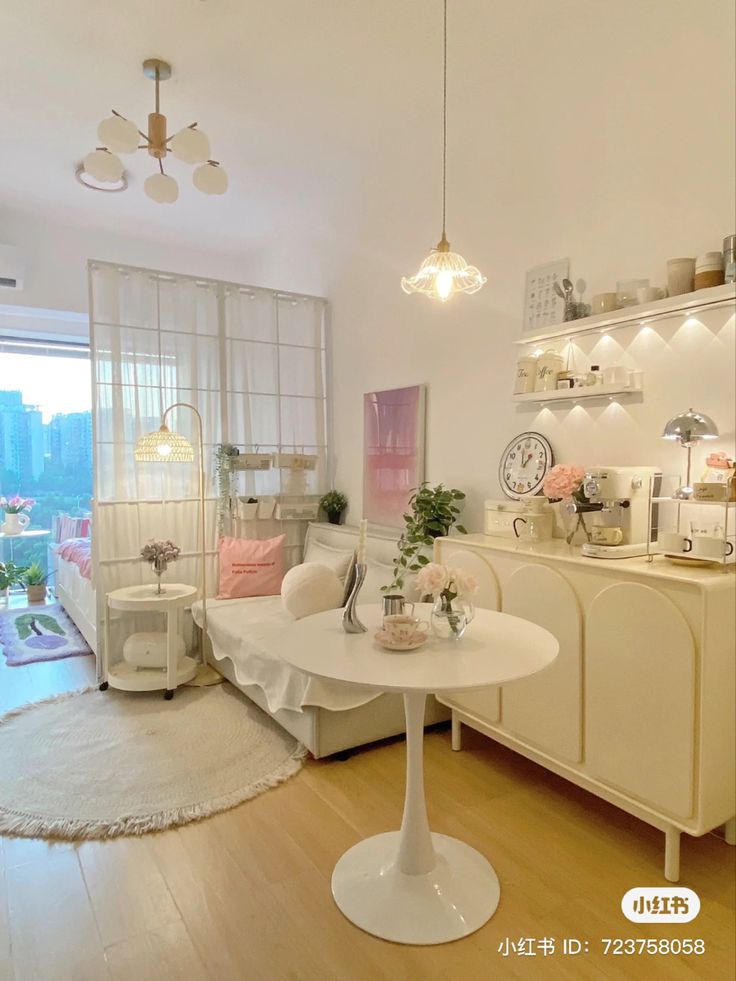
444,272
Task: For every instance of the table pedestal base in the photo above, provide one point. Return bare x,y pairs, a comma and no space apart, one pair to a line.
454,899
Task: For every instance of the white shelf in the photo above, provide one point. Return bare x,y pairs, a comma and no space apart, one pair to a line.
690,500
587,393
126,677
716,296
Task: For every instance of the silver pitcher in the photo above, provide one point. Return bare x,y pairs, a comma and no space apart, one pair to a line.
393,604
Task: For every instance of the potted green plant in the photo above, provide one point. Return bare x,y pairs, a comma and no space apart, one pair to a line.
10,575
333,504
433,511
34,579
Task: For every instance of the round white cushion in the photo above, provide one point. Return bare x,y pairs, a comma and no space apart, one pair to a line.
311,588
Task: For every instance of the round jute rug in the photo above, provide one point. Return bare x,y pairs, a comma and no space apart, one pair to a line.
91,764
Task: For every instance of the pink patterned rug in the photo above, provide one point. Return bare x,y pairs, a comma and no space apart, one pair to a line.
45,633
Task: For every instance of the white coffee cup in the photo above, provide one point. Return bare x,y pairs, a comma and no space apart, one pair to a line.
616,375
401,628
673,542
648,294
712,548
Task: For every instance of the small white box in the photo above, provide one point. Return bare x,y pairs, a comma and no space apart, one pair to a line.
499,518
147,649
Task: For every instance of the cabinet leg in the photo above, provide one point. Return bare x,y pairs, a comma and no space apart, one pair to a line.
672,855
729,831
456,732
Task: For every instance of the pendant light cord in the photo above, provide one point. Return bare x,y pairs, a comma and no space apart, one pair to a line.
444,128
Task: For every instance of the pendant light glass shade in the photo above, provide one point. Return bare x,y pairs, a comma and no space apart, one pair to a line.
118,134
442,274
191,146
161,188
163,446
210,178
103,166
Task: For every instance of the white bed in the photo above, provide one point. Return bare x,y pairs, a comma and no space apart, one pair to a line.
77,595
327,717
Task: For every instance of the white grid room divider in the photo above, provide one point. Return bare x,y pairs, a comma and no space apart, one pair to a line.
254,363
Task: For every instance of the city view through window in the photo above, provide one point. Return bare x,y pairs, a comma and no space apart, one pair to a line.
45,445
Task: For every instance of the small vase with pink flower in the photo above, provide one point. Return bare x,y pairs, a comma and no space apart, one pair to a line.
564,485
452,591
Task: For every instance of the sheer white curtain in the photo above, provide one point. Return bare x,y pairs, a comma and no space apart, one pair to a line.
252,361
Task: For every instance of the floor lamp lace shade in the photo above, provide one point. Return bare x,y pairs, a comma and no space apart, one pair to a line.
166,446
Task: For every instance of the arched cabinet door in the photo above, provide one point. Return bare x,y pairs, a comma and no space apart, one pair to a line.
640,697
483,703
546,709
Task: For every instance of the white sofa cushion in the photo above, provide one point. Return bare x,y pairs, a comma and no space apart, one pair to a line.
337,559
310,588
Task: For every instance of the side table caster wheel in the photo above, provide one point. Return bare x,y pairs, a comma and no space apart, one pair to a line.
169,694
104,686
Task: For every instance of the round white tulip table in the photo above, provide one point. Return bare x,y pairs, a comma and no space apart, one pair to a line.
412,886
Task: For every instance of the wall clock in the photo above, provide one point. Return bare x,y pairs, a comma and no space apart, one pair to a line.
524,465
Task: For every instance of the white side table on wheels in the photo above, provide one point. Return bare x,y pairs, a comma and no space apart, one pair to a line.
412,886
144,599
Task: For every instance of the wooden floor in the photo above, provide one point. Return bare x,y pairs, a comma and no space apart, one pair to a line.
246,894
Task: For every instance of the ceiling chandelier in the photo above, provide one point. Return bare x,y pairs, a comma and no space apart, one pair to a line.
444,272
119,135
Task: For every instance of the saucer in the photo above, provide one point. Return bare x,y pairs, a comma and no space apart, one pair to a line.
419,638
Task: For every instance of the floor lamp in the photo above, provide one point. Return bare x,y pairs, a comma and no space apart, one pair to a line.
165,446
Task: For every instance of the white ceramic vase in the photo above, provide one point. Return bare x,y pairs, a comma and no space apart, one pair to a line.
14,524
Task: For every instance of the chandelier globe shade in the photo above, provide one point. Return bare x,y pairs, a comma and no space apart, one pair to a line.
210,178
190,145
103,166
118,134
164,446
161,188
444,272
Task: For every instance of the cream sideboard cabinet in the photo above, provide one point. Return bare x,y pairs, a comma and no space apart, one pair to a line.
639,706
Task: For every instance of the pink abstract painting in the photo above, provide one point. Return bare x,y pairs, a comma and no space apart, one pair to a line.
393,440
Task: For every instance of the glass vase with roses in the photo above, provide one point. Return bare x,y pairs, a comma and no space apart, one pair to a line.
451,590
564,484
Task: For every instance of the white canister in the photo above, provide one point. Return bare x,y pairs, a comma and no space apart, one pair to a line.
680,276
549,365
616,375
526,370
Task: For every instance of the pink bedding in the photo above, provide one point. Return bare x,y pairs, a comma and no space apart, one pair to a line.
78,551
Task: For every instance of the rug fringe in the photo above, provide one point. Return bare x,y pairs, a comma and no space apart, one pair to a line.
69,829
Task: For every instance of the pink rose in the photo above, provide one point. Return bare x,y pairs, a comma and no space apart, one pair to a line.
562,481
432,578
465,584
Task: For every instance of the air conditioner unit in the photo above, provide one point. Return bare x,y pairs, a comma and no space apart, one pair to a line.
11,268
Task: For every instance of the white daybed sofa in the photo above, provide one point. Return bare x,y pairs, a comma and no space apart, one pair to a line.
327,717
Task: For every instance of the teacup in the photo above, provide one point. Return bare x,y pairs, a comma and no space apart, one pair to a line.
712,548
675,543
401,628
648,294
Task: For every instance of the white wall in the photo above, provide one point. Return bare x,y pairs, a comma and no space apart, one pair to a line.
581,128
603,132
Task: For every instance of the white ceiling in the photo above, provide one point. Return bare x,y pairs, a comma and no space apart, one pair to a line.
303,103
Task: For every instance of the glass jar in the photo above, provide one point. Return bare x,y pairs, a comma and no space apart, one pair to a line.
450,617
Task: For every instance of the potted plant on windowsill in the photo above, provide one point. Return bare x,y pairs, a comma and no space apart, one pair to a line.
10,575
433,511
34,579
333,504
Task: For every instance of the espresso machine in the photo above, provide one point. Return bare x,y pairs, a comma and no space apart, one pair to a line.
619,500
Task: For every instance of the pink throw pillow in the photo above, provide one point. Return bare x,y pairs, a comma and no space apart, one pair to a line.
250,567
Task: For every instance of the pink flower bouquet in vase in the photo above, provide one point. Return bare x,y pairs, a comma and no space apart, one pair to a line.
16,519
158,553
564,483
451,590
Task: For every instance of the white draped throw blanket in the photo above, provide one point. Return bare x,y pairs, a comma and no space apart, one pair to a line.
244,630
